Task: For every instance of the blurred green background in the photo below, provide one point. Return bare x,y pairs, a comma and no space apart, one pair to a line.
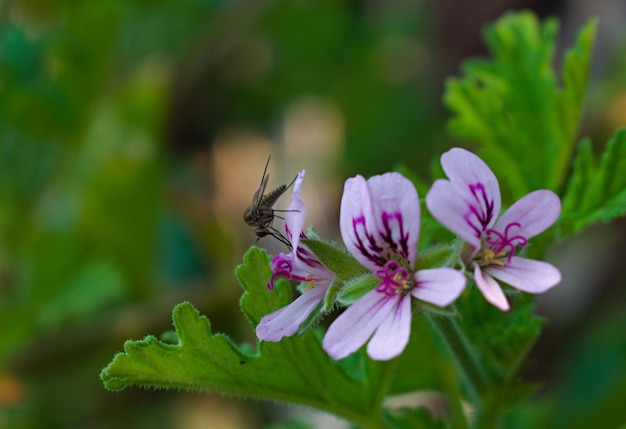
133,134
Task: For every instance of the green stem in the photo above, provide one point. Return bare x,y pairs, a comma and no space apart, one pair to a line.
389,368
462,353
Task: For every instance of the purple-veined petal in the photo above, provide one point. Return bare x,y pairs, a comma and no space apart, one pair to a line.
296,268
285,321
358,225
464,167
296,212
305,265
439,286
283,265
307,262
451,204
397,212
534,213
527,275
380,217
392,335
490,289
356,325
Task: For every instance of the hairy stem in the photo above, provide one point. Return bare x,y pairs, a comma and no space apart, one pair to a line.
462,353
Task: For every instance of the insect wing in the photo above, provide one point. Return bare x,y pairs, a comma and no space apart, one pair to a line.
258,195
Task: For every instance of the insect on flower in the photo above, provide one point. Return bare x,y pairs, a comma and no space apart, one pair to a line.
260,214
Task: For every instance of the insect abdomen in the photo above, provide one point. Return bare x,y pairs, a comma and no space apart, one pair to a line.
271,198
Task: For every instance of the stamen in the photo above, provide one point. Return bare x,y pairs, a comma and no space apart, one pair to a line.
489,257
502,242
284,268
395,279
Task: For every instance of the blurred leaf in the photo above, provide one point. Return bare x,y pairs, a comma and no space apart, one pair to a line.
596,191
413,418
290,424
508,342
20,56
421,186
592,380
584,169
504,338
422,365
513,107
293,370
92,286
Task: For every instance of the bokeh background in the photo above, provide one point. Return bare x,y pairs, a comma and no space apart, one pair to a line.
133,134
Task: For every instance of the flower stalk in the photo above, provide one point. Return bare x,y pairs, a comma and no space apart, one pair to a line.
463,355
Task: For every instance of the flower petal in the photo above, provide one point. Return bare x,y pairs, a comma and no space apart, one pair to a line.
469,202
392,335
439,286
296,212
464,167
397,211
490,289
378,216
355,326
534,213
285,321
450,203
527,274
305,265
356,222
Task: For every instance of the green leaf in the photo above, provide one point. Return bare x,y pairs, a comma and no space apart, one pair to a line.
504,339
294,370
584,170
570,100
422,365
509,342
336,259
513,107
596,191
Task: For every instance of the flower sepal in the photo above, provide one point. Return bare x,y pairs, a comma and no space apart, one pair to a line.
330,299
438,256
434,310
357,288
335,258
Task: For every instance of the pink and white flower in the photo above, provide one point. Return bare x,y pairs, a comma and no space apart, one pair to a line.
380,222
468,204
300,265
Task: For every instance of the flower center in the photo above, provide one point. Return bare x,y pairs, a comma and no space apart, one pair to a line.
489,257
504,243
282,266
395,279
